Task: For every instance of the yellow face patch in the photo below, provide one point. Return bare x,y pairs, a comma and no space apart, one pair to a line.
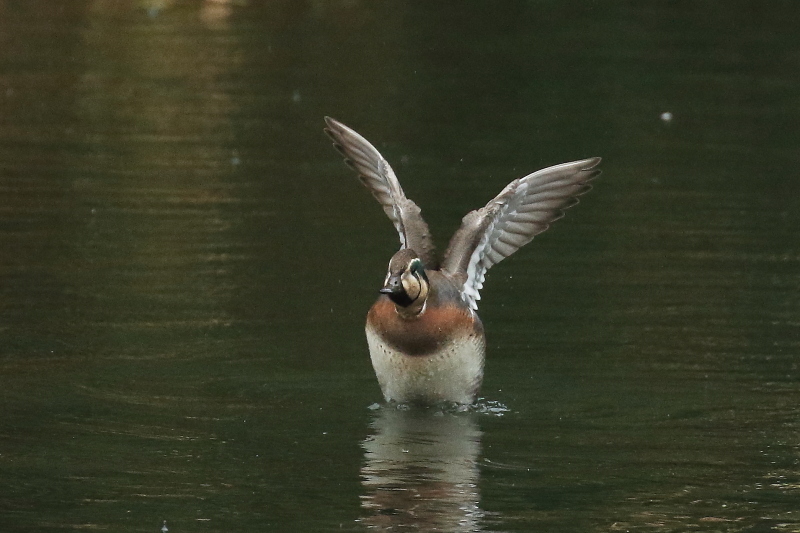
411,285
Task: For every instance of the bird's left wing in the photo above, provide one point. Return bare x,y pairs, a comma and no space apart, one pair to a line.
525,208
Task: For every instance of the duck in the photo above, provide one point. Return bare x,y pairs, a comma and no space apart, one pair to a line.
426,341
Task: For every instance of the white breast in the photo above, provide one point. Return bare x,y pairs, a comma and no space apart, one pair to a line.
451,374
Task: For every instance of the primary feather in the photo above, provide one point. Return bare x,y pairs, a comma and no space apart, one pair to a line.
376,174
525,208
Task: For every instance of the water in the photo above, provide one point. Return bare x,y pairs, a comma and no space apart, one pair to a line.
186,264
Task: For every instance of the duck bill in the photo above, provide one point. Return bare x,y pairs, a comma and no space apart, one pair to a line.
395,291
393,286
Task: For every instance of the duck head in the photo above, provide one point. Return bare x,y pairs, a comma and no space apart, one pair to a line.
406,283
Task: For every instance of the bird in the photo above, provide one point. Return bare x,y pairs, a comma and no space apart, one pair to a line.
426,341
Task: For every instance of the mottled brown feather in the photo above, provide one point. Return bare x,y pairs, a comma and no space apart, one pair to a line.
428,332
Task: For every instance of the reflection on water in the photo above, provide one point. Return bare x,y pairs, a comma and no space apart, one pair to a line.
184,274
420,471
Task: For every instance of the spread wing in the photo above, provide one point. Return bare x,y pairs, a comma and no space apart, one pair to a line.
379,178
525,208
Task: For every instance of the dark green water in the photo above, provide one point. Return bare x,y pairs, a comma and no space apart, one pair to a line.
185,265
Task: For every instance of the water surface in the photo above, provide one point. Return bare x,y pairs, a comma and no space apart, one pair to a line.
185,266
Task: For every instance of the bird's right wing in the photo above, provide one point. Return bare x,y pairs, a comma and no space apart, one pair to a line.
379,178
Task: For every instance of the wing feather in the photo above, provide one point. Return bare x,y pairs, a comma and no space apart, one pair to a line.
522,210
376,174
